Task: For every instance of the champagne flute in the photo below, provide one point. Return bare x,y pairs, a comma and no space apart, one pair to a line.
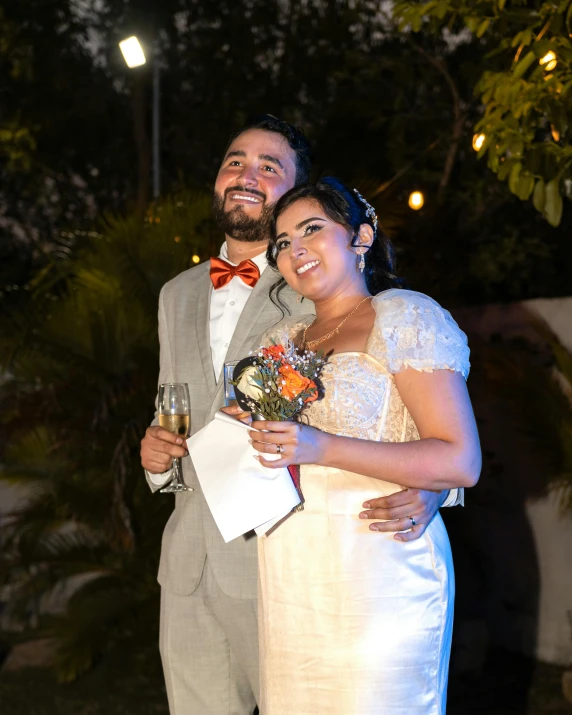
229,396
175,416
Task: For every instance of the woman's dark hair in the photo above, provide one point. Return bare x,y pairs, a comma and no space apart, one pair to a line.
344,207
294,136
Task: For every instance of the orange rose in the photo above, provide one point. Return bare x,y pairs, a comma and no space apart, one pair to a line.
295,384
274,351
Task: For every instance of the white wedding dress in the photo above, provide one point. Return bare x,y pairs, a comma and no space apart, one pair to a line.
353,622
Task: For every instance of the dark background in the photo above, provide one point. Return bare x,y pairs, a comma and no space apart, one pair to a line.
84,252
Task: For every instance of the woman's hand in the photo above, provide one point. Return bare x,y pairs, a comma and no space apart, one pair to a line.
238,413
300,444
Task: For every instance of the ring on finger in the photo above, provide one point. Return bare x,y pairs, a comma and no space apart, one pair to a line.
412,520
279,448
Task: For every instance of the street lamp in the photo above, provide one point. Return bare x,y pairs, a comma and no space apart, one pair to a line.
134,56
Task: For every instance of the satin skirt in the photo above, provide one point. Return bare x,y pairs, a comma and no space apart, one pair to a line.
351,621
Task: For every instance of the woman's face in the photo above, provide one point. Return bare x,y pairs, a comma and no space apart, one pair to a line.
314,253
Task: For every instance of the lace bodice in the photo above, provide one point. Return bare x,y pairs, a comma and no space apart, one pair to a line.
360,396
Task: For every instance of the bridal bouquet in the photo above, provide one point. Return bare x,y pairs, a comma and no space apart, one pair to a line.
276,382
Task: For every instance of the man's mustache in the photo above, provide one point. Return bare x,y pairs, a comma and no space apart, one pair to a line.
242,190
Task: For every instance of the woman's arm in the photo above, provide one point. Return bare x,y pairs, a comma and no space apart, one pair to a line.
447,455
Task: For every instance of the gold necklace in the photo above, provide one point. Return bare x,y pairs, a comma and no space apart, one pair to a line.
311,344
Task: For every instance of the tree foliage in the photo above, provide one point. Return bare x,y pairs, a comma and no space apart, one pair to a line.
80,357
525,88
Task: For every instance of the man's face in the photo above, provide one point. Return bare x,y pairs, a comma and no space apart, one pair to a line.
259,167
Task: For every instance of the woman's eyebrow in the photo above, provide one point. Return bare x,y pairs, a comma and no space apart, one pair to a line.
303,223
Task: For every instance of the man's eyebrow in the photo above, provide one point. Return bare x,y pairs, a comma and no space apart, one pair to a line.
301,224
273,159
236,152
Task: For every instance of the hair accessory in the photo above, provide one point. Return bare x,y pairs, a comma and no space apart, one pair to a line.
369,210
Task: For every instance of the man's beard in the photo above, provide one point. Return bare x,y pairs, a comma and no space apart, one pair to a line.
237,224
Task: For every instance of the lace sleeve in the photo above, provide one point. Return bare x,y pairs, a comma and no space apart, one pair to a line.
412,330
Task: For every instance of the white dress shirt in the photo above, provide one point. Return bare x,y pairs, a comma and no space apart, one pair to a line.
227,304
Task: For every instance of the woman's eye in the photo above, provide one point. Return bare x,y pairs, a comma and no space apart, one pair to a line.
281,245
312,228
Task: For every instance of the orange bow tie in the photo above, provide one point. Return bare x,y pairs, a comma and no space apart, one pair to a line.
222,272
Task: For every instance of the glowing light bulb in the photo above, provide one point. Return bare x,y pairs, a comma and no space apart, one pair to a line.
416,200
549,61
478,141
196,259
132,52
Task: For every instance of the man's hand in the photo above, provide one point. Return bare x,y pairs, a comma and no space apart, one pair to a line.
238,413
159,447
397,509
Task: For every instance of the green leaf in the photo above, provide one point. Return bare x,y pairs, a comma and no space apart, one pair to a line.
513,178
553,206
539,196
523,65
483,27
525,186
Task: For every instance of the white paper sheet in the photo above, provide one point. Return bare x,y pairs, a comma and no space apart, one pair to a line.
242,494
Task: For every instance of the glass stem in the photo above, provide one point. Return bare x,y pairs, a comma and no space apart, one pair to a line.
177,476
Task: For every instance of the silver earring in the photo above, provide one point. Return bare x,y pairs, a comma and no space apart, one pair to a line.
298,298
361,264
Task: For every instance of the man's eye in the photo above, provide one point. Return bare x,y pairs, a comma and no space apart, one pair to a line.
234,163
269,168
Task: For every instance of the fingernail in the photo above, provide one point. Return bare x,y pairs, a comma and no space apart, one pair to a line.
365,505
398,537
374,527
179,440
363,515
250,441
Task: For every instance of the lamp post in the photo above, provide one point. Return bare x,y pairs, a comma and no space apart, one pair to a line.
134,56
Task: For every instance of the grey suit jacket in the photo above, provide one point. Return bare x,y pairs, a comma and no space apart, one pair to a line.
191,533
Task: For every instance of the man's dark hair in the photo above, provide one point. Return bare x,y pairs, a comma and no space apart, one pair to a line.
294,136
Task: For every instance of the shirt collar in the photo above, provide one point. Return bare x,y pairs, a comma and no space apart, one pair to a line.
260,259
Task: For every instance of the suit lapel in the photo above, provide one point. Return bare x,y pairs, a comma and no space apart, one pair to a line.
257,301
202,327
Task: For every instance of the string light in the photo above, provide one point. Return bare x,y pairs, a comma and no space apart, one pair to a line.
416,200
549,61
478,141
555,133
196,259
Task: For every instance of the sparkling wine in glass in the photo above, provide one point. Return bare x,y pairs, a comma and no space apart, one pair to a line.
175,416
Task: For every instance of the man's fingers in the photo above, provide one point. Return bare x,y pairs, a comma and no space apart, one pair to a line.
406,532
406,496
398,512
413,534
162,435
396,525
157,467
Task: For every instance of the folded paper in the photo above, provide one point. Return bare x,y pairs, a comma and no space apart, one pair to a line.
242,494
